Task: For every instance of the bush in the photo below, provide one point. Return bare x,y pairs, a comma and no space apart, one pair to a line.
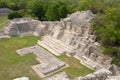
116,61
15,14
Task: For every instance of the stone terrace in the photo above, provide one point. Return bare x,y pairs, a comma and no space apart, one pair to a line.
49,63
4,11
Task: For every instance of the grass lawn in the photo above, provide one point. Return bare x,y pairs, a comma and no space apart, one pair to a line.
3,21
75,69
11,64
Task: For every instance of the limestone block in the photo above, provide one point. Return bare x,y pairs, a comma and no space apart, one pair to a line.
115,69
22,78
40,30
68,26
4,11
93,57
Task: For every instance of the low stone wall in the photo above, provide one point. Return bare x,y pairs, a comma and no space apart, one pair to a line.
59,76
4,11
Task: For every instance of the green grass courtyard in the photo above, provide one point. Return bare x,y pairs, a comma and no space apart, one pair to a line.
11,64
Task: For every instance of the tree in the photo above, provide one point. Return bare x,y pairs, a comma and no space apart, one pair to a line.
36,8
52,13
107,29
84,4
13,6
15,14
62,9
3,3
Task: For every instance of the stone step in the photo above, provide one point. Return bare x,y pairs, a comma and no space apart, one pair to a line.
57,41
49,48
38,71
64,46
55,45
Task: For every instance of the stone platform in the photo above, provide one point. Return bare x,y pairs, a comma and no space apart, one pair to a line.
49,63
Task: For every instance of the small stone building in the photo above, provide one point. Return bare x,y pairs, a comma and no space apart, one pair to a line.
4,11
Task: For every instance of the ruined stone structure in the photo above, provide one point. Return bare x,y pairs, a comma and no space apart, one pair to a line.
72,36
20,27
101,74
22,78
48,62
59,76
4,11
2,35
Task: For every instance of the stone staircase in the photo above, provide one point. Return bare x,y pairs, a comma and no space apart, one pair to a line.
55,46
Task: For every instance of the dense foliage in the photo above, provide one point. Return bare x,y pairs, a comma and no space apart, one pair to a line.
106,24
42,9
15,14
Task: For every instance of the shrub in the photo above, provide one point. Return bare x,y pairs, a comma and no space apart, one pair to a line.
15,14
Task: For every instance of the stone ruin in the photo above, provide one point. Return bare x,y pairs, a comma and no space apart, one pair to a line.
72,36
115,69
2,35
22,78
59,76
48,62
101,74
20,27
113,78
4,11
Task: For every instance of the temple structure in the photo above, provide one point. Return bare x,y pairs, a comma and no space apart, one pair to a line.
72,36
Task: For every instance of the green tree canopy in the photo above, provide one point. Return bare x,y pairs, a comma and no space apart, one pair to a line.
15,14
52,12
36,7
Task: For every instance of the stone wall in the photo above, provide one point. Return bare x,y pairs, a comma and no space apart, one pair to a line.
21,26
4,11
